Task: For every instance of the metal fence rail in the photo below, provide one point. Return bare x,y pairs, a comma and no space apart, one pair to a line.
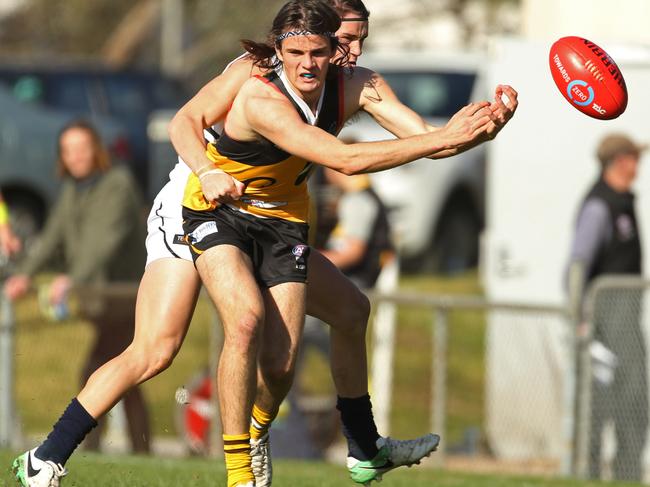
440,307
526,389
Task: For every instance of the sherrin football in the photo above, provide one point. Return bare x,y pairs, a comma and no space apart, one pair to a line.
588,77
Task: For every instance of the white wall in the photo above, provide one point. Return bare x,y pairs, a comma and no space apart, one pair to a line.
597,20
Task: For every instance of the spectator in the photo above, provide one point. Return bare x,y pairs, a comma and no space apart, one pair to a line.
360,243
607,241
96,223
9,243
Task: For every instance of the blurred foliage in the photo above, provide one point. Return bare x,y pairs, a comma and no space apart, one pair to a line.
73,30
55,31
61,28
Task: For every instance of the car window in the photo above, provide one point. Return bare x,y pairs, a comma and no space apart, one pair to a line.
432,94
68,92
126,96
166,94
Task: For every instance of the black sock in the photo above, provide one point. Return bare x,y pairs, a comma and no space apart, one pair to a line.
70,430
358,426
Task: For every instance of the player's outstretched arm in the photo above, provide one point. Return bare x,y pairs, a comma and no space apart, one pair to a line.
375,96
275,119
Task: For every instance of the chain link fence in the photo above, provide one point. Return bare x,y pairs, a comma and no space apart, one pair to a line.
612,400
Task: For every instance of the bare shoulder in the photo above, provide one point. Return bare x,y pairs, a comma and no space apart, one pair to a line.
258,86
362,77
363,86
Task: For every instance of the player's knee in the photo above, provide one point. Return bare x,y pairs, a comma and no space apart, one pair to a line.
151,358
277,373
358,314
243,332
162,357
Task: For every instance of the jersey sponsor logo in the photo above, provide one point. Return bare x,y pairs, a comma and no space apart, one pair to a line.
202,231
179,239
266,205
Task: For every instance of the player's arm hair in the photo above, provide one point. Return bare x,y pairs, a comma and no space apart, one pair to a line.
208,107
277,120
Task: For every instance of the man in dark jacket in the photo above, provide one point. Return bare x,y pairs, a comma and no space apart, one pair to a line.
607,241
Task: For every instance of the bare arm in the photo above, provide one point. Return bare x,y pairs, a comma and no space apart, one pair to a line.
376,97
275,119
208,107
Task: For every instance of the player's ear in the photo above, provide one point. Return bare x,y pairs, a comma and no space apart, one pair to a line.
278,52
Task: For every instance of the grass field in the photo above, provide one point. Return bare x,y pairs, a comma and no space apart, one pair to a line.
120,471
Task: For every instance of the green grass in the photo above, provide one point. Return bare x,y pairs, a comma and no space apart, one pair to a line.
128,471
465,368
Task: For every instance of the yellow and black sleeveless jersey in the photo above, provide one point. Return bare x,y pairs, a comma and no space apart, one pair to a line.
276,181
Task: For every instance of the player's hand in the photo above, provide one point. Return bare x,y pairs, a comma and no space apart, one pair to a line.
17,286
221,187
468,125
503,111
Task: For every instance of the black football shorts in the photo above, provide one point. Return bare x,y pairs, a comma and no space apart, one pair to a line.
278,248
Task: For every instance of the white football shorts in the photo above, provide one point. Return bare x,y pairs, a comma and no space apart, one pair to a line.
165,221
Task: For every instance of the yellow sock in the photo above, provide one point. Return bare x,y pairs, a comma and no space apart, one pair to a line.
237,453
260,422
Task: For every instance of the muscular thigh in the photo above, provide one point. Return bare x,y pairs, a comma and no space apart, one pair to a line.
329,292
166,299
285,316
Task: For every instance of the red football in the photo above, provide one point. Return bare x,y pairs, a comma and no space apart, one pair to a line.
588,78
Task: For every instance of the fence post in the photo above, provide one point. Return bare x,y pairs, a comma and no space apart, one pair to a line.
581,375
439,380
7,413
383,348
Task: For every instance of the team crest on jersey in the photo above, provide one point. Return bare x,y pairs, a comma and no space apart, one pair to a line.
301,252
202,231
